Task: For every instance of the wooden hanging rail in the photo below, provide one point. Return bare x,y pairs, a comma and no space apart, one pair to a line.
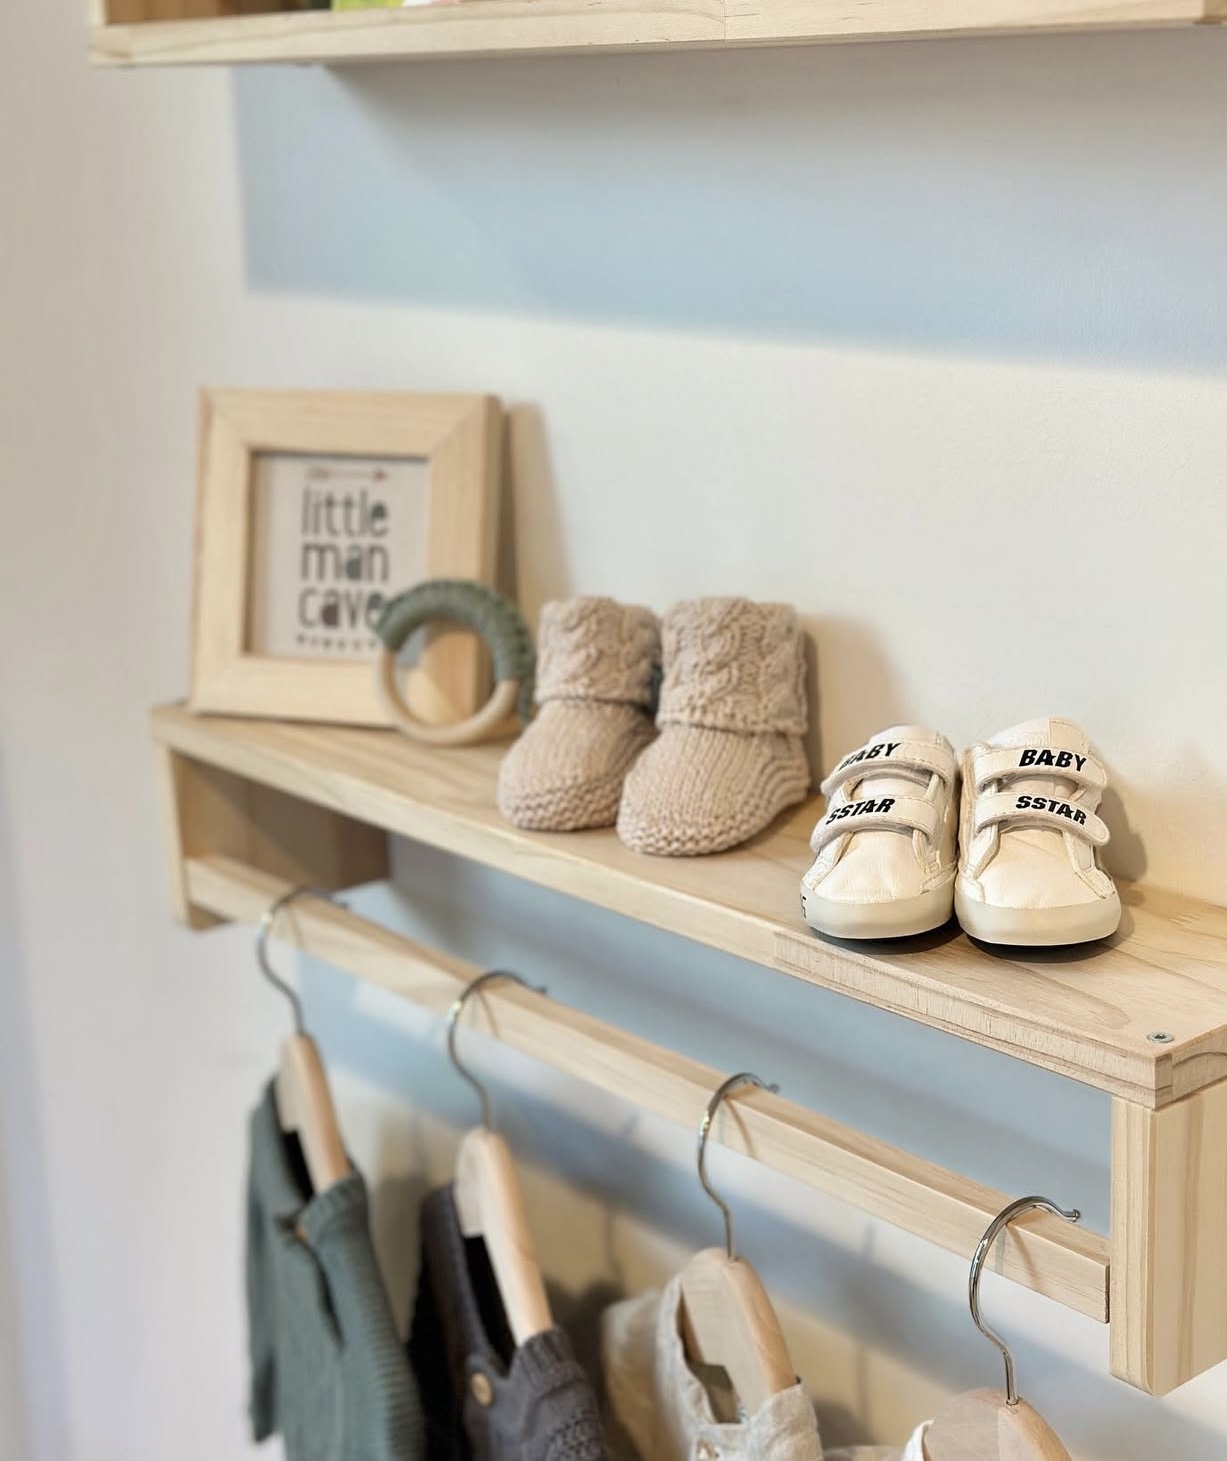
1064,1263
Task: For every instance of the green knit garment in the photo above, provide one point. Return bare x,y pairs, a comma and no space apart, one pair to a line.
328,1371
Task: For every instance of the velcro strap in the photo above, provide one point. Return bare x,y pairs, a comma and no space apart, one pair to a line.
882,755
1041,811
875,814
1082,769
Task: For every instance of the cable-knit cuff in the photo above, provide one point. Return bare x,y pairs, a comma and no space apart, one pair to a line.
596,649
731,664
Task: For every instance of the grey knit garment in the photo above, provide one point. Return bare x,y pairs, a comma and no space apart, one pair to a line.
328,1370
484,1398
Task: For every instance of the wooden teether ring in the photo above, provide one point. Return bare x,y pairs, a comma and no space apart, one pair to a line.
491,616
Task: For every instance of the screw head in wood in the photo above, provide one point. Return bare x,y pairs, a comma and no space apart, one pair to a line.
1160,1037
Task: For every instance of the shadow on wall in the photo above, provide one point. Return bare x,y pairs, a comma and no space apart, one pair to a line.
1047,197
32,1408
532,567
13,1443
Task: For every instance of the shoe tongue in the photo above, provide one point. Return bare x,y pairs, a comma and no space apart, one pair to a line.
894,782
1056,734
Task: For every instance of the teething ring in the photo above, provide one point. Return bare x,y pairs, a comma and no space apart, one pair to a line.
461,732
495,619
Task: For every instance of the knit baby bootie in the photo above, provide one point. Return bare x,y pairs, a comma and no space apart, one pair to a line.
729,757
595,661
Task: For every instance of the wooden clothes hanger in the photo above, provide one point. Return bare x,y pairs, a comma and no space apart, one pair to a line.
304,1100
490,1203
995,1425
727,1319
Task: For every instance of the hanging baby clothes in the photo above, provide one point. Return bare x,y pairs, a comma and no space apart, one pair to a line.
328,1370
660,1409
484,1398
913,1451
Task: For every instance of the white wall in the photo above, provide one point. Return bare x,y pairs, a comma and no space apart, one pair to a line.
929,339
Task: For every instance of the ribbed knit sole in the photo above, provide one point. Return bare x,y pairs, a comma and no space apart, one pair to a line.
677,804
564,809
566,772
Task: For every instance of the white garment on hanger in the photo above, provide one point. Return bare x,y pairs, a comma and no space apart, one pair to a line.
913,1451
660,1410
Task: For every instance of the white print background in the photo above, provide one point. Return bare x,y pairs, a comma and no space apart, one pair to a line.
280,574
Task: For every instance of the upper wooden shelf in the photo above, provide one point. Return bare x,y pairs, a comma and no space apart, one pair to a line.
185,32
1085,1013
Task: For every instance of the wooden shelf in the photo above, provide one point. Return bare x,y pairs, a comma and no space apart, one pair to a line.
248,789
186,32
256,806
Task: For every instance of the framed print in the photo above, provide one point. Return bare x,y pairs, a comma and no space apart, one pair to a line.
314,509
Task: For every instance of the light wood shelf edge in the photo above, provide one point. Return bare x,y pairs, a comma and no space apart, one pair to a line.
1169,1240
1063,1018
1067,1264
539,27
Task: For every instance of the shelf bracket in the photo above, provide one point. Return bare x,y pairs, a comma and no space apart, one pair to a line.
1169,1240
210,812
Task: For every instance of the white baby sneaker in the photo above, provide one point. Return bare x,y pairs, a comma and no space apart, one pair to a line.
1029,868
885,848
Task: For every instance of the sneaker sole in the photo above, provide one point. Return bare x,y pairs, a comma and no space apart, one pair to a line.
899,919
1080,923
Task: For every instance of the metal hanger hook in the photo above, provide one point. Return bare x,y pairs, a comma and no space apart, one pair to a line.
264,931
453,1022
994,1231
744,1078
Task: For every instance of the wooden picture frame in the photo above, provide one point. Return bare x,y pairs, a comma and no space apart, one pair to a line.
247,434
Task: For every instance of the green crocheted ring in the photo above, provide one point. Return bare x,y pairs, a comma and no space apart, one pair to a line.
461,601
